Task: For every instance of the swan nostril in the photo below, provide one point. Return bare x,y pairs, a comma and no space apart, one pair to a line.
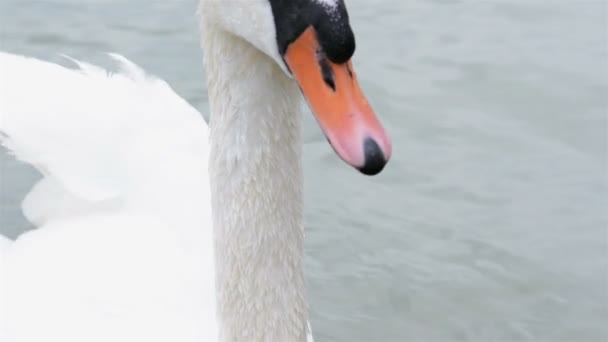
374,158
327,72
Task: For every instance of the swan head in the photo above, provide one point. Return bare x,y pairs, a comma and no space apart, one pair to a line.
313,43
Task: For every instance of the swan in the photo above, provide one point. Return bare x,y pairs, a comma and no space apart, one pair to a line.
153,225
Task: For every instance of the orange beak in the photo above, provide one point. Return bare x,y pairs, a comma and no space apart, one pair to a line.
341,109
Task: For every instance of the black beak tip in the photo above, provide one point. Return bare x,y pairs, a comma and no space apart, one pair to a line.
374,158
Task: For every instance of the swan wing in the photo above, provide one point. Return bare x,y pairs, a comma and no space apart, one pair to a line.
124,247
100,135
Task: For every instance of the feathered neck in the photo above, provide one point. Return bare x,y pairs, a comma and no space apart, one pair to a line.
256,184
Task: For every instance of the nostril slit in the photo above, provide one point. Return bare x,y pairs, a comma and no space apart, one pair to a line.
328,74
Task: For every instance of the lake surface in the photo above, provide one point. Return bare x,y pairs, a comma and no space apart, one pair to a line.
490,222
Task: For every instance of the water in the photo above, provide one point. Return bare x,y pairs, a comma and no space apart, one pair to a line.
489,224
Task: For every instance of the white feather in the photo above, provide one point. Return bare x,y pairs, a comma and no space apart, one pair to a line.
108,183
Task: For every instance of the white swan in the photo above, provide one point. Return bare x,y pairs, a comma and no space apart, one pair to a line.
125,249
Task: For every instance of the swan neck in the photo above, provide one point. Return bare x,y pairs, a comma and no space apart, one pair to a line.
256,185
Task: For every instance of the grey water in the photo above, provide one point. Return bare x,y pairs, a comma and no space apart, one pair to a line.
489,223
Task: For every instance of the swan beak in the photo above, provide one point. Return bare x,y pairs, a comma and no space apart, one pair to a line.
339,105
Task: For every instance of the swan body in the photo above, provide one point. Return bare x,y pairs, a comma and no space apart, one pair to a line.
153,225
